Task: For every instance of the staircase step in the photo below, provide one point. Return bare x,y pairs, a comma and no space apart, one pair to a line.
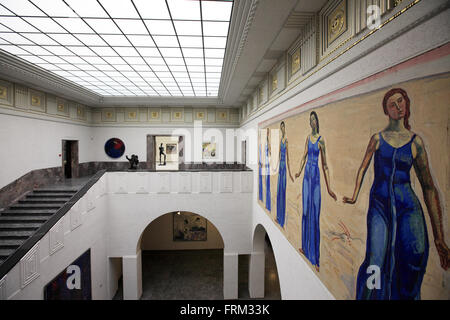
49,195
15,234
41,206
23,219
29,212
5,253
11,243
19,226
55,191
43,201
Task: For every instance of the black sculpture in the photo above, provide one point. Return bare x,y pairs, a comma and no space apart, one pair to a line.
134,161
161,153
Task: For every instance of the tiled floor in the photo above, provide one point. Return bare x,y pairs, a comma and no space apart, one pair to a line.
197,275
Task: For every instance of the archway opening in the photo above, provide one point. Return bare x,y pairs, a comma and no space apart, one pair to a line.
263,274
182,258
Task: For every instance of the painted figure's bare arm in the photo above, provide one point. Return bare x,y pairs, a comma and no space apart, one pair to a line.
371,148
325,170
432,202
303,161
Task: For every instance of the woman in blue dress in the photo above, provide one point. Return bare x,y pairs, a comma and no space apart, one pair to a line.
268,155
397,240
283,161
311,195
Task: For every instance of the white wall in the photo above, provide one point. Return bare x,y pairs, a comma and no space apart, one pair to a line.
297,280
29,144
135,139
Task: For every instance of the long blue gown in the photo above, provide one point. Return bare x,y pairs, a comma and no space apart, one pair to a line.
260,197
281,188
268,202
311,199
397,240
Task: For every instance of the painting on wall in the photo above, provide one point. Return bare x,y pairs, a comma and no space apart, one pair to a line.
189,226
114,148
365,211
209,150
171,148
73,283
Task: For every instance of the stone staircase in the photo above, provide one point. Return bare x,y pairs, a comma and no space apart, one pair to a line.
21,220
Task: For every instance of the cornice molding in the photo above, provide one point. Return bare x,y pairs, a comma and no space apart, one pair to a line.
245,12
23,72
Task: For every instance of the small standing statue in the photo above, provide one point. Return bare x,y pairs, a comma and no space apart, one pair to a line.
134,161
161,153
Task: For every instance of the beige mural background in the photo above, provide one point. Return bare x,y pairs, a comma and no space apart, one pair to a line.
347,127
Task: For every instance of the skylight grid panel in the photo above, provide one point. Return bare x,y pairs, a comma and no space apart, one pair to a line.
194,61
81,50
65,39
17,24
171,52
40,38
56,60
215,28
15,38
160,27
74,25
126,51
190,42
142,68
75,60
148,52
192,53
119,9
96,60
22,8
155,61
104,51
91,39
14,50
196,74
5,12
33,59
141,40
58,50
116,40
195,68
54,8
188,28
103,26
216,10
213,62
134,60
104,67
215,42
166,41
184,9
114,60
87,8
160,68
214,53
49,66
37,50
213,69
45,25
131,26
123,67
177,68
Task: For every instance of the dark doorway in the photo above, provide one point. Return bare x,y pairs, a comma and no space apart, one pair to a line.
70,159
244,152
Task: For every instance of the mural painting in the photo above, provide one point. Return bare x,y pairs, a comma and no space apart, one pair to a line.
388,239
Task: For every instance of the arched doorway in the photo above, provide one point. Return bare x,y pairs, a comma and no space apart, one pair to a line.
263,275
182,258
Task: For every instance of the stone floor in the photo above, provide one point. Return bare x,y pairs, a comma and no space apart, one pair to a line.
197,275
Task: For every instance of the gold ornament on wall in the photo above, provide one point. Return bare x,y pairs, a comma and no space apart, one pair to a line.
274,82
155,115
36,101
295,61
200,115
132,115
337,22
3,93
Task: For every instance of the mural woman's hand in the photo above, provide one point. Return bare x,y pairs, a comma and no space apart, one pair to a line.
348,200
444,253
332,194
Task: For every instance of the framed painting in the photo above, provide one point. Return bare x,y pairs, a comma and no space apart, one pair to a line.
209,150
189,226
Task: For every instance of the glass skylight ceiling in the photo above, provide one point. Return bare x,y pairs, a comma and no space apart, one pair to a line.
122,47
